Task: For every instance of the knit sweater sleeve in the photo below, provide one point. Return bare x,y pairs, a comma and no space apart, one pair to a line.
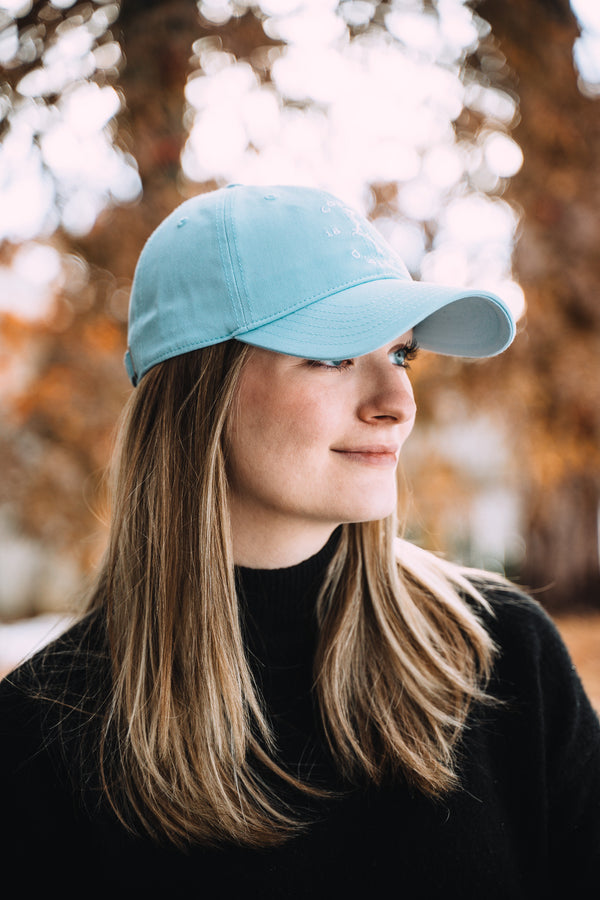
550,707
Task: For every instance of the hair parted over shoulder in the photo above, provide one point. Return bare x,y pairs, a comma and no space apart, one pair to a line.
187,753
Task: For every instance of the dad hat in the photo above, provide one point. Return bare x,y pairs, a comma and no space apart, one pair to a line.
295,270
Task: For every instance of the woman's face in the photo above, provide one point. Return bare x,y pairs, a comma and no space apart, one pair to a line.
316,444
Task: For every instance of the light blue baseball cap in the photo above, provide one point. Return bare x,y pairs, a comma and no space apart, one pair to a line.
295,270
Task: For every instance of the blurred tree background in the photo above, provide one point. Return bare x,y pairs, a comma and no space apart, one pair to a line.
464,129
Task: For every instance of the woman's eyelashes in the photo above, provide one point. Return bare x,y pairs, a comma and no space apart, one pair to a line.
400,356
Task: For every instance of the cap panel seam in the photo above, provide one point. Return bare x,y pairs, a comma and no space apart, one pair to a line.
243,294
227,259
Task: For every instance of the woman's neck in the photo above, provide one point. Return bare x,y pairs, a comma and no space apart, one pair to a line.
289,543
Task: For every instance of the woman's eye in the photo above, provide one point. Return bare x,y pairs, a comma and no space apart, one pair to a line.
399,357
402,356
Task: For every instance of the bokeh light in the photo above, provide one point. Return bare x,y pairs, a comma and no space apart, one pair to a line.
32,280
586,51
59,165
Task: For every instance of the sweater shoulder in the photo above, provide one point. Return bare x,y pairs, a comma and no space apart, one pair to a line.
525,635
535,675
521,626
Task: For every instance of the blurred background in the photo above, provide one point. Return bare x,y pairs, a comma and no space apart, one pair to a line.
468,131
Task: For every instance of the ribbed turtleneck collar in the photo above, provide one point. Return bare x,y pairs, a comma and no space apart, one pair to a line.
280,596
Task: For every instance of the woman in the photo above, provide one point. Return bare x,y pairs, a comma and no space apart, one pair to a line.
270,694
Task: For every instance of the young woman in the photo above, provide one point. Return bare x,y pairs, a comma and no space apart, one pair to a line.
271,694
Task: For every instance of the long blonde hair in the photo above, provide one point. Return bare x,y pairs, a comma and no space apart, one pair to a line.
187,754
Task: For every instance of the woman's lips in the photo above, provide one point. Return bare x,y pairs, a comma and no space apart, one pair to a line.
385,457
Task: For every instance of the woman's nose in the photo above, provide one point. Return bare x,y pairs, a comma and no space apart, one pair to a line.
387,395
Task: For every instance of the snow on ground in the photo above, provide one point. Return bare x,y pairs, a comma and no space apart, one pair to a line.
22,638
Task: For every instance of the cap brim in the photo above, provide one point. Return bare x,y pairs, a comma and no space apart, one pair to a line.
359,319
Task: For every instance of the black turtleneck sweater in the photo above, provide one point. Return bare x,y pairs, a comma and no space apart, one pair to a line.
525,823
279,622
